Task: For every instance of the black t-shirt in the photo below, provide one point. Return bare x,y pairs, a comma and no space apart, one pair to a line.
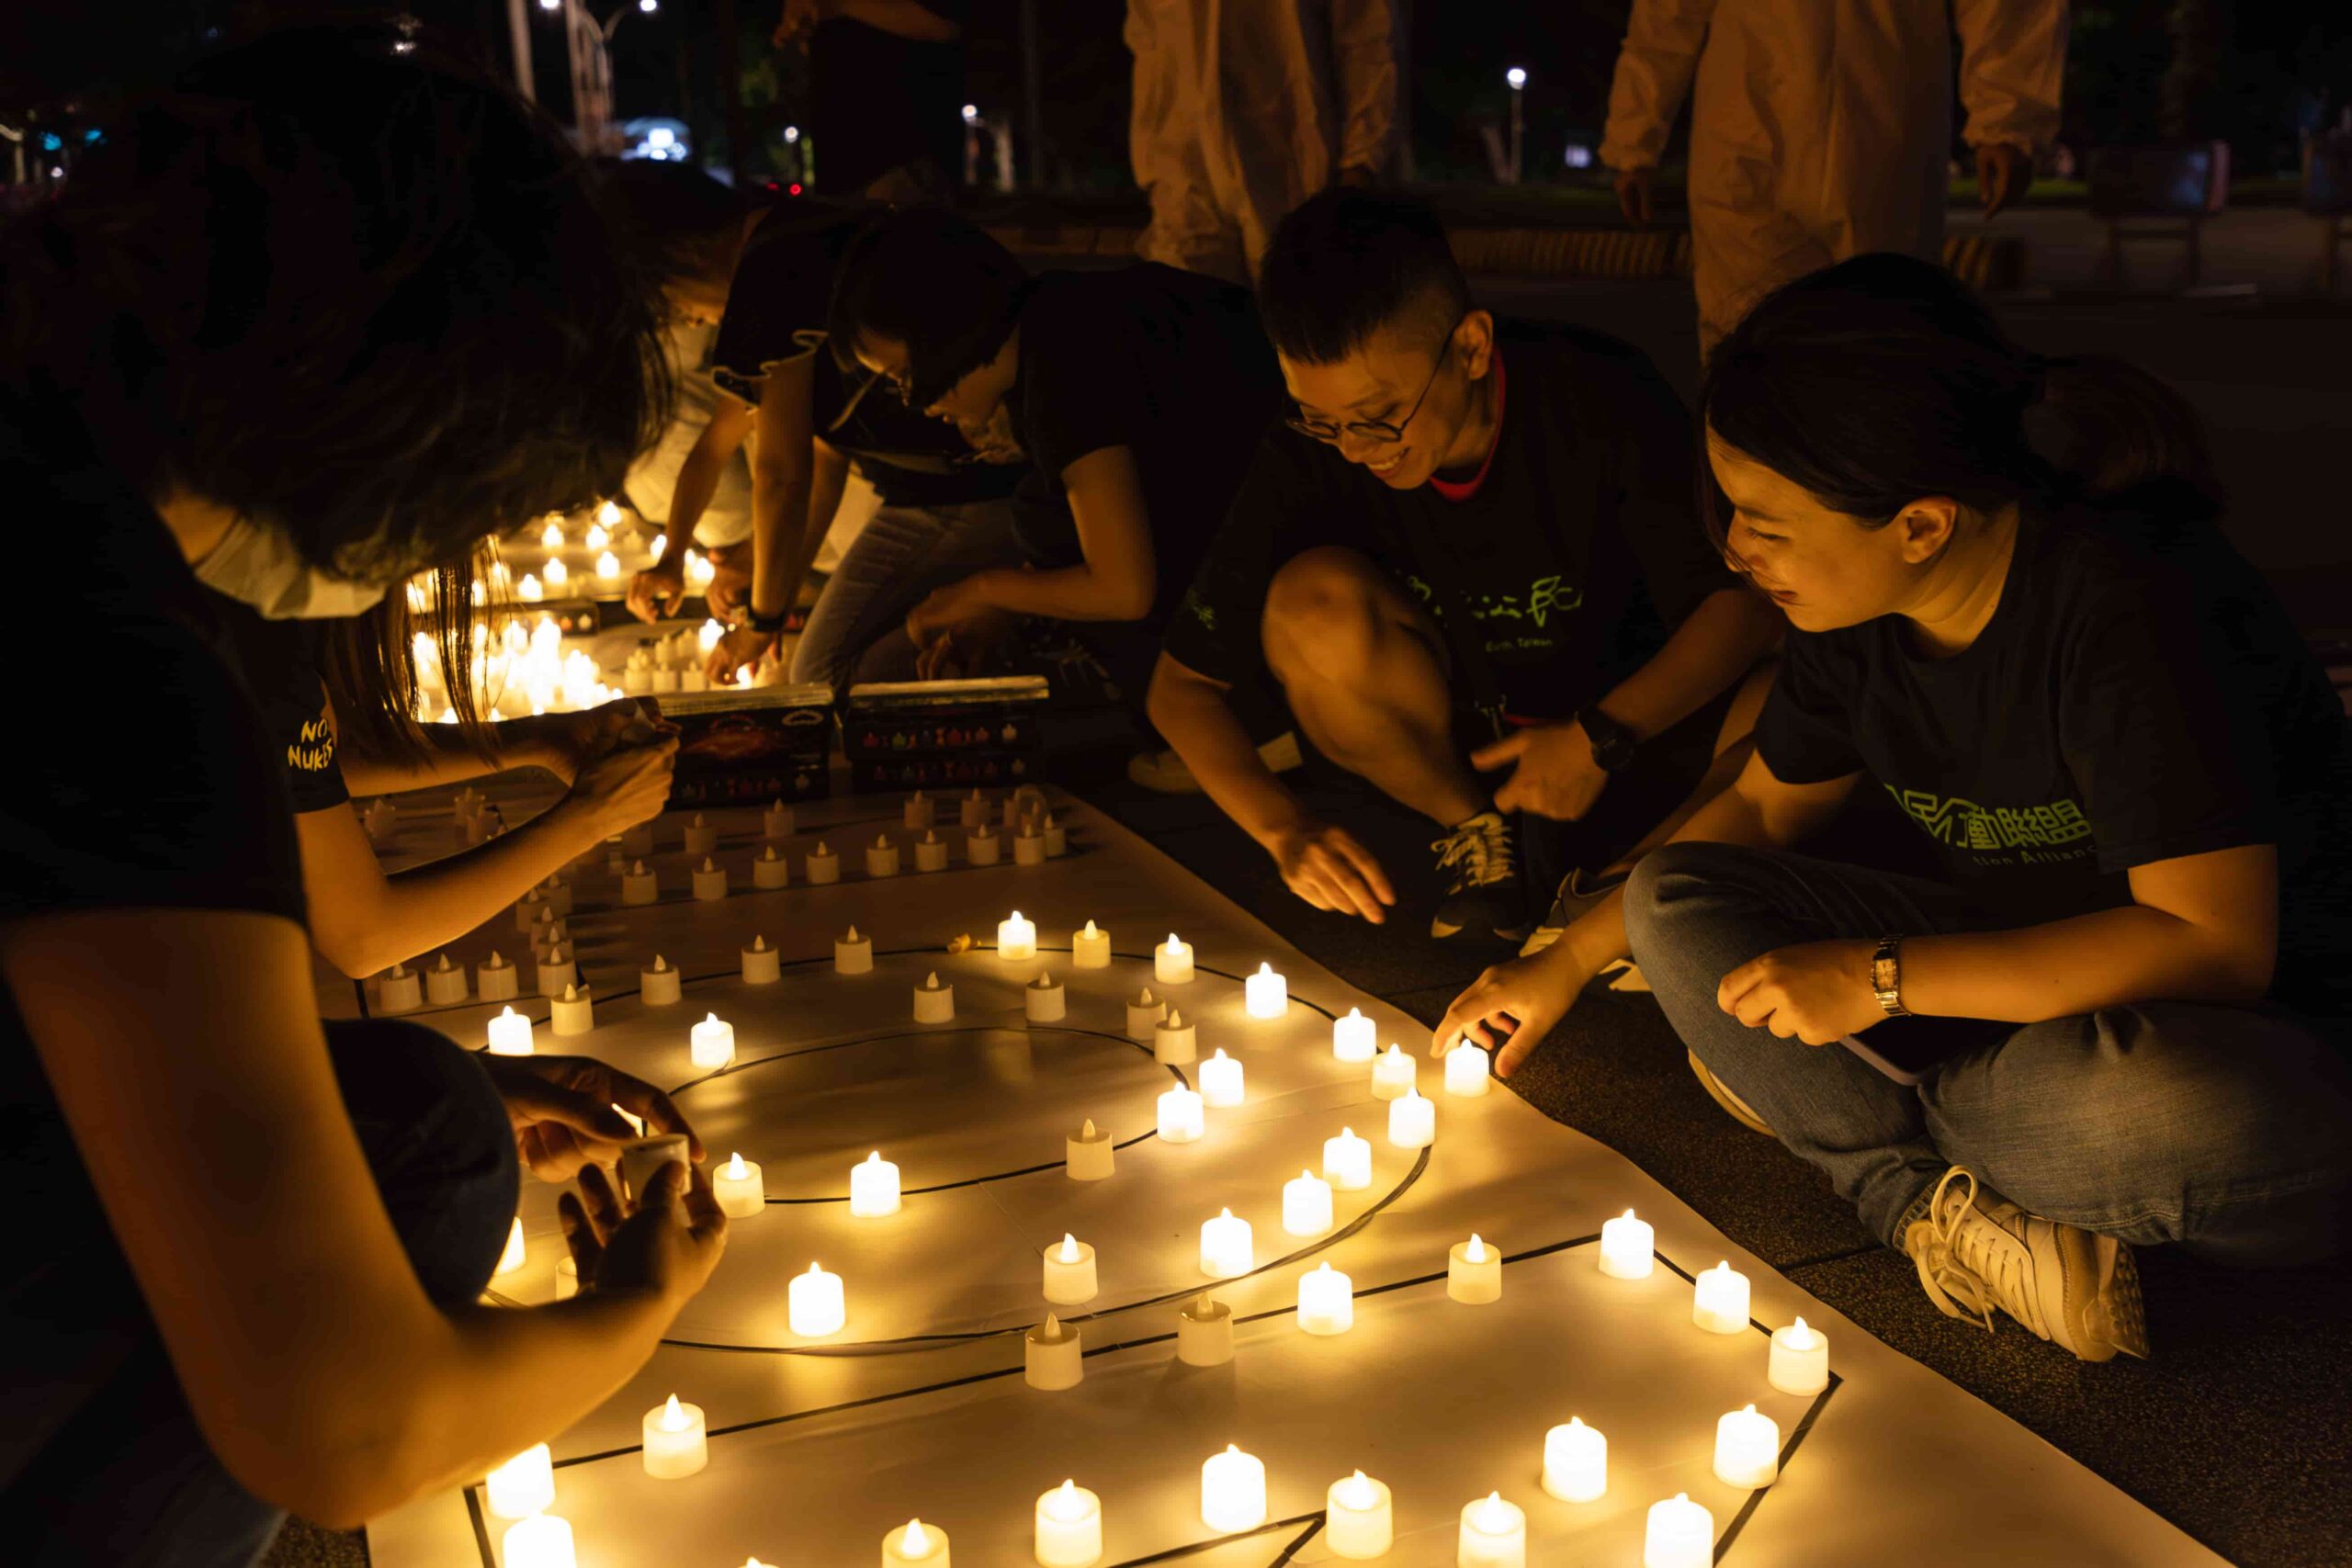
1170,365
2137,696
278,660
775,313
1573,556
878,101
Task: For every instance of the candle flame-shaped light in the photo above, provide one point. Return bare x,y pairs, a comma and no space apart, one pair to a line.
551,537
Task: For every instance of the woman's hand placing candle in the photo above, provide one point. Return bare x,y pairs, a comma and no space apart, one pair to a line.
647,1250
562,1110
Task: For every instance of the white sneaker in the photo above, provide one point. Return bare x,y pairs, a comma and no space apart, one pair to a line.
1975,1250
1165,772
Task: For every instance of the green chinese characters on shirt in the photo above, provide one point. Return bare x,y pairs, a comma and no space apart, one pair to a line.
2059,828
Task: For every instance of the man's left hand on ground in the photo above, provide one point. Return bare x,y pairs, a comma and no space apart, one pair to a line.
561,1108
1816,991
1556,775
739,647
2003,173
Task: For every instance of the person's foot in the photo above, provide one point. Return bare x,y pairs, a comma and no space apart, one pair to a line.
1720,1092
1484,895
1579,891
1165,772
1975,1250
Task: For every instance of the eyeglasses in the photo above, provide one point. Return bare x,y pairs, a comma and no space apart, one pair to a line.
1378,430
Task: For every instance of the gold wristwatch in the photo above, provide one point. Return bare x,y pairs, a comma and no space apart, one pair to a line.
1886,976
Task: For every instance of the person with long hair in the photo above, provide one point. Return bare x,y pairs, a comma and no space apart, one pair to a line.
327,311
2120,1017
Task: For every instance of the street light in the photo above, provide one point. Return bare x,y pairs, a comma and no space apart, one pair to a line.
1516,77
971,114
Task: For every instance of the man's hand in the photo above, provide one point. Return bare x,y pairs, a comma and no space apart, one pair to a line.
956,631
649,1249
627,785
739,647
1816,992
574,740
1327,867
1556,775
728,596
1634,195
561,1109
2003,174
660,588
1512,1007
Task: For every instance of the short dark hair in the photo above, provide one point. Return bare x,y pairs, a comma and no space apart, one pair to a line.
1346,263
937,283
676,219
337,281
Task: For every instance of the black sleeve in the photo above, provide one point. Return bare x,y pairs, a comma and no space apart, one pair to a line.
1657,506
776,306
1805,733
1081,387
313,770
1214,631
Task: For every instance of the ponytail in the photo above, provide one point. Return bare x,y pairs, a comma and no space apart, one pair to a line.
2110,430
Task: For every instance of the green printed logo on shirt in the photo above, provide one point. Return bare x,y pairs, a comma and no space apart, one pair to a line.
1995,829
1545,598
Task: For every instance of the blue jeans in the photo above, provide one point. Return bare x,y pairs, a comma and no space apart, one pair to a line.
2225,1128
857,630
117,1473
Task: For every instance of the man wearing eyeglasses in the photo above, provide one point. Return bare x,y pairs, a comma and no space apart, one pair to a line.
1474,549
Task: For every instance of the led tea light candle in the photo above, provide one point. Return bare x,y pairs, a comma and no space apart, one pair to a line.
1800,1359
556,893
872,1188
527,911
1171,961
1412,1121
738,1188
931,852
1205,1334
664,681
1228,1251
934,1000
1069,1271
918,812
710,1044
1351,1038
1494,1534
1575,1462
524,1485
549,933
657,986
1029,846
1394,1074
852,954
510,1035
1628,1247
1680,1534
972,810
776,822
814,1306
512,1258
1327,1302
608,567
1051,1358
1016,938
676,1443
543,1540
1088,1154
1347,1161
1069,1528
771,871
1090,949
636,1122
1747,1449
494,980
702,839
551,537
398,991
596,539
639,885
1719,1300
1465,1070
882,857
1233,1491
1359,1521
529,589
982,847
1144,1015
710,881
444,983
1175,1042
1306,1205
915,1543
573,1013
1266,994
762,966
1056,837
1474,1272
822,866
1045,999
1221,1082
707,635
642,1160
556,573
1181,1119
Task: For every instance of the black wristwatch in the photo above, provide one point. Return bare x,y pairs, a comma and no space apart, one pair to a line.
766,624
1613,744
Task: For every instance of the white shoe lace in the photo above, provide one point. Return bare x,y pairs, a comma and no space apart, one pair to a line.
1481,848
1968,1269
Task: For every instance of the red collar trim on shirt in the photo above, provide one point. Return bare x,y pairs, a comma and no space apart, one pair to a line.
1464,489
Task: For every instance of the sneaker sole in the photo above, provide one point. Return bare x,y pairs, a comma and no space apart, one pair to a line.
2102,1310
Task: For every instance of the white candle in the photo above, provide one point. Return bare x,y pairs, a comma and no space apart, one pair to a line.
1306,1205
657,986
444,984
1680,1534
707,635
1052,1357
1069,1272
557,894
852,954
702,839
982,847
1175,1042
710,1044
1171,961
776,822
1016,938
1352,1037
872,1188
814,1304
821,864
639,885
1266,994
644,1158
1800,1359
1069,1528
915,1543
1412,1121
1227,1249
1347,1161
1359,1521
510,1035
1089,1153
1029,846
1327,1302
1494,1535
574,1011
1056,837
398,991
529,590
972,810
934,1000
494,980
543,1540
1747,1449
1205,1334
930,852
528,911
1394,1074
762,966
738,1188
1233,1491
1221,1081
1045,999
771,871
524,1485
608,566
710,881
1474,1271
1575,1462
1465,1070
1090,949
675,1446
1180,1117
556,573
1144,1014
1628,1247
882,857
1719,1300
918,812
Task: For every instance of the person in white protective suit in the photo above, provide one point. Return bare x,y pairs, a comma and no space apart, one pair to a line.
1822,129
1244,108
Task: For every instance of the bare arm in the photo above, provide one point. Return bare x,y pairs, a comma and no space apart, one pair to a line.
1118,579
516,743
659,587
783,469
1190,713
